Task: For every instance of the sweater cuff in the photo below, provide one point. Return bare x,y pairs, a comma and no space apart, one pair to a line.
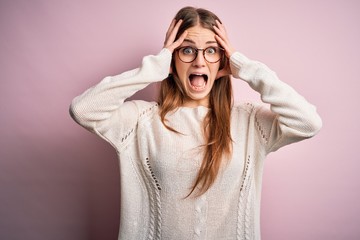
164,58
237,60
165,54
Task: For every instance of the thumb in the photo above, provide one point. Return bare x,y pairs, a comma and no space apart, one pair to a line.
223,72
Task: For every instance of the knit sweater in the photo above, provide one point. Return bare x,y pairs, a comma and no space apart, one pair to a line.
158,166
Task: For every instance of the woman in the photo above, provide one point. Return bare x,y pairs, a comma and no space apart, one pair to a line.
191,164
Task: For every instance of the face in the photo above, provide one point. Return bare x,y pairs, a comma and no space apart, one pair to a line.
197,77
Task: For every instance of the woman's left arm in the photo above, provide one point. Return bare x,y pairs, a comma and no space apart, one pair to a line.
291,118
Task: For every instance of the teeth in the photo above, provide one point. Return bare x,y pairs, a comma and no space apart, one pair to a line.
198,87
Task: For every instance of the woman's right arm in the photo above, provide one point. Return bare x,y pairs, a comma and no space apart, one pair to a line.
102,110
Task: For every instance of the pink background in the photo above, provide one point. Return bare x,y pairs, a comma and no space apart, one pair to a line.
57,181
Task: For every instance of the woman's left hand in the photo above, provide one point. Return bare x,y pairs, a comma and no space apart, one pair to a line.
222,38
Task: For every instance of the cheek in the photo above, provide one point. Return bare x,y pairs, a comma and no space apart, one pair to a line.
181,68
214,69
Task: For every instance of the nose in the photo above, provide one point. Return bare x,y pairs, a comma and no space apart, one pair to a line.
200,59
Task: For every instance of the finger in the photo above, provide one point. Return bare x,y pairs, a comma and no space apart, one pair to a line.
181,38
226,71
229,50
221,41
172,24
173,32
178,42
222,73
168,32
224,43
222,38
220,26
220,32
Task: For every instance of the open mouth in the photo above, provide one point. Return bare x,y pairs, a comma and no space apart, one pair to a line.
198,81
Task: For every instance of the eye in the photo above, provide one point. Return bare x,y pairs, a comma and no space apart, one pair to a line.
188,50
211,50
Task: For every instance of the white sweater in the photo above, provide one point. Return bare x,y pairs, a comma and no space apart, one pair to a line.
158,166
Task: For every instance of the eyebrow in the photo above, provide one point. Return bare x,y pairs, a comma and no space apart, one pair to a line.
191,41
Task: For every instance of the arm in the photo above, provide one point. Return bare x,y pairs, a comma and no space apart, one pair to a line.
292,118
101,109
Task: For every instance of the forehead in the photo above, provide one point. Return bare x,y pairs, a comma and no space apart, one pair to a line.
200,35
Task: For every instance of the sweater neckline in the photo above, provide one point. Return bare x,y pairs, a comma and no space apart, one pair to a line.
200,107
200,111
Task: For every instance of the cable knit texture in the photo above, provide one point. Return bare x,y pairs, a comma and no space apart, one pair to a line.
158,166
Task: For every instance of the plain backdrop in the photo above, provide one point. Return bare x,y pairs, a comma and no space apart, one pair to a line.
58,181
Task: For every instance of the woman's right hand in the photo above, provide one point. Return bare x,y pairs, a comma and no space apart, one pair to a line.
171,33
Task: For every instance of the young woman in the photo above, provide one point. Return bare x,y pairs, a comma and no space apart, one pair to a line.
191,164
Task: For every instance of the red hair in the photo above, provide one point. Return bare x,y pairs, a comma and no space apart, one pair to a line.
216,123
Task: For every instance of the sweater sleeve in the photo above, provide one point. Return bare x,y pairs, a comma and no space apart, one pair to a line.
290,118
102,108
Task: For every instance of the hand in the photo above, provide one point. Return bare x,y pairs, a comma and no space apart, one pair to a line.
171,33
222,38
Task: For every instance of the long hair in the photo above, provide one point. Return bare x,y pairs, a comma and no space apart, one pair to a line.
218,145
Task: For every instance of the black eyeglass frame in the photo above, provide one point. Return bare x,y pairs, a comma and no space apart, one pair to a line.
197,51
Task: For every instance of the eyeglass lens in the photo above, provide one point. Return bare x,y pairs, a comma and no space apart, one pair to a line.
189,54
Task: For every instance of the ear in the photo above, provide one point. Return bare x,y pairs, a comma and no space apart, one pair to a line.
225,71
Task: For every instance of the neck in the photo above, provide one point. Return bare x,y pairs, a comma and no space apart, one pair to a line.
191,103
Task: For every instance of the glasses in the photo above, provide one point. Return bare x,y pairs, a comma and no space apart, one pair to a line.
189,54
